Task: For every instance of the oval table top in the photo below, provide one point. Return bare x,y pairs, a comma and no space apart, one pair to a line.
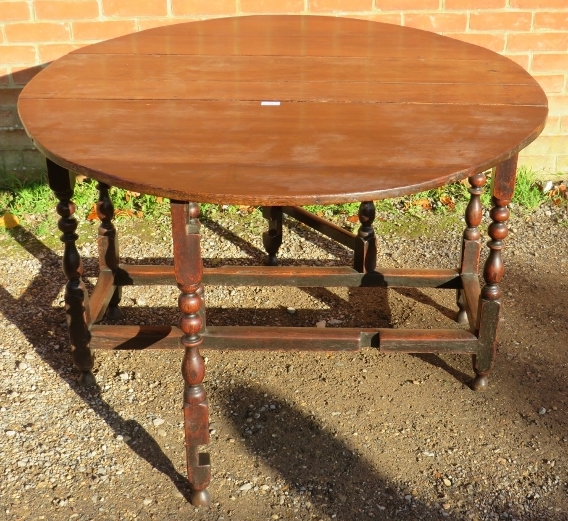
366,110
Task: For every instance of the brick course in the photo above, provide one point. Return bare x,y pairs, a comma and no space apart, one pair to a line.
533,33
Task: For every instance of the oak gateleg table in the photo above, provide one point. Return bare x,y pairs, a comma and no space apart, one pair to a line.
279,112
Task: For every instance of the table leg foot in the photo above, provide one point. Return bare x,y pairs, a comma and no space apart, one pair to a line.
479,383
272,239
114,313
200,498
86,379
461,315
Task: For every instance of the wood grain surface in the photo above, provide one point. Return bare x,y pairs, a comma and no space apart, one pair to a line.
367,110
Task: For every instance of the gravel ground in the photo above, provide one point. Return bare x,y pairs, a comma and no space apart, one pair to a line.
303,436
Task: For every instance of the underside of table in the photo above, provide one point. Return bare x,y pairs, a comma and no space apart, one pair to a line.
478,307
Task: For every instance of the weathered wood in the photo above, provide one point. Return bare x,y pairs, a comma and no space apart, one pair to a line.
199,132
489,300
295,276
323,226
76,295
427,340
287,78
258,338
99,300
272,239
108,246
471,244
365,246
471,291
339,82
188,271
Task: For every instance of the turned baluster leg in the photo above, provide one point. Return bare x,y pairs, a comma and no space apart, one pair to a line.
365,253
272,239
471,244
108,246
76,296
188,272
489,300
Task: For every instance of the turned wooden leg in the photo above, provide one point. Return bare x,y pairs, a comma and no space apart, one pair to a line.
76,296
272,239
489,300
365,252
108,246
188,269
471,243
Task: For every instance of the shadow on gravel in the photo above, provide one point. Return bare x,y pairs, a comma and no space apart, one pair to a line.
42,293
312,459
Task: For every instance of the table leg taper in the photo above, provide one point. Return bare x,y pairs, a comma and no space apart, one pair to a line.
272,239
108,246
471,243
188,269
76,295
365,251
489,300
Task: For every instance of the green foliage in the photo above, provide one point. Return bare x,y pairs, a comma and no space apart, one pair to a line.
35,204
527,192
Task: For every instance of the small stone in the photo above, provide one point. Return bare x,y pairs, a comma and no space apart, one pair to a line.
321,323
162,432
246,487
124,376
291,310
447,482
542,411
342,498
147,501
334,322
157,422
446,506
10,433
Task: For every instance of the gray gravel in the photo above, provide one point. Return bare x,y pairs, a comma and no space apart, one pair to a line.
343,436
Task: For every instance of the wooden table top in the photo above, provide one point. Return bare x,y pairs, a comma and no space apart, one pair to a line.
367,110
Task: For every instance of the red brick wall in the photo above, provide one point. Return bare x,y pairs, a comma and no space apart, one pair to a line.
534,33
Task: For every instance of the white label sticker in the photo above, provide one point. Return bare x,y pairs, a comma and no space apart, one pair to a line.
273,103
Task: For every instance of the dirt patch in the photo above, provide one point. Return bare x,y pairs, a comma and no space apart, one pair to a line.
304,436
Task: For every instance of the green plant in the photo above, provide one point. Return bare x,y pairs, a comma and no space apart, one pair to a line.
527,192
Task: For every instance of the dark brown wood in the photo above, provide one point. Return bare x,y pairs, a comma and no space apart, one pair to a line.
365,250
257,338
489,300
340,83
108,246
470,295
266,31
471,244
366,111
295,276
188,270
76,296
247,338
105,289
428,340
272,239
323,226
